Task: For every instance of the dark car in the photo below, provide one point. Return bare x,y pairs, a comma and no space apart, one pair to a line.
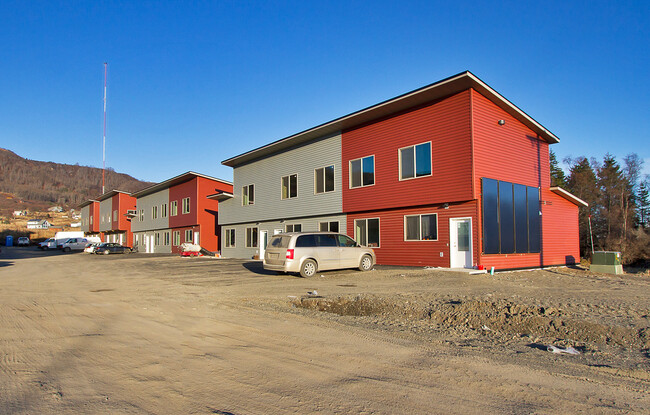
112,248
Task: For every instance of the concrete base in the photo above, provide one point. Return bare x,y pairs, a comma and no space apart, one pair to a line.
607,269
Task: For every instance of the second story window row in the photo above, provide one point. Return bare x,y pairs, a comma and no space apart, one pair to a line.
290,186
248,195
362,172
186,205
415,161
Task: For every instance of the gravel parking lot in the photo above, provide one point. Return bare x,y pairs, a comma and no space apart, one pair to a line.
131,334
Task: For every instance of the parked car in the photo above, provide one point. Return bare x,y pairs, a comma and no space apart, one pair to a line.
310,252
47,244
78,244
112,248
23,241
91,247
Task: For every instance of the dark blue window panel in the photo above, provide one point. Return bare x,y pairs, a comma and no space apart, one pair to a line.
506,218
534,235
368,171
490,216
423,159
521,218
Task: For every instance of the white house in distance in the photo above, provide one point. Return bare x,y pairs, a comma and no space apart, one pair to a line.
38,224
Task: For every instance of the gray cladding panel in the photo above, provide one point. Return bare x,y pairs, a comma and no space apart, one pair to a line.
85,218
105,214
266,174
147,203
241,251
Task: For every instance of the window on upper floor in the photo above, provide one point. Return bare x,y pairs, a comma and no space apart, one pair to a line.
248,195
415,161
186,205
141,215
154,212
115,216
510,218
362,172
91,220
366,232
163,211
421,227
290,186
324,180
251,237
294,227
230,238
173,208
328,226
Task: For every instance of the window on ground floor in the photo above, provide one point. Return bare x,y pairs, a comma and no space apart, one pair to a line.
176,236
366,232
166,239
510,218
230,238
294,227
332,226
251,237
189,235
421,227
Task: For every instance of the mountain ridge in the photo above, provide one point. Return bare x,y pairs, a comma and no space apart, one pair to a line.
32,185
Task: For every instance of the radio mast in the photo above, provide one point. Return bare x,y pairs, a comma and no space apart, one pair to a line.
104,137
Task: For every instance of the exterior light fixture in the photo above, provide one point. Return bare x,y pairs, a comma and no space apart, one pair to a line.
502,122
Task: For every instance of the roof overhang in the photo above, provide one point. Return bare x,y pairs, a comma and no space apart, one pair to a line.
568,196
111,194
86,203
221,196
452,85
181,178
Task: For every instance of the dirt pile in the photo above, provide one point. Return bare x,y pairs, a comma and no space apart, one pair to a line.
497,318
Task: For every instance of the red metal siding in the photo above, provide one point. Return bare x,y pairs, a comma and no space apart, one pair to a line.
446,123
509,152
394,250
208,212
122,202
559,230
176,248
94,213
178,193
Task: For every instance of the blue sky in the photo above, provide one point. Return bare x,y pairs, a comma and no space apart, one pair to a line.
190,85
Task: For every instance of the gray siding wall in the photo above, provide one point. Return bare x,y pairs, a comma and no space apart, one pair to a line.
241,251
85,218
266,174
141,238
147,203
105,214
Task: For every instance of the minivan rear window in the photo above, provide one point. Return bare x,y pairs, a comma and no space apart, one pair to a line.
280,241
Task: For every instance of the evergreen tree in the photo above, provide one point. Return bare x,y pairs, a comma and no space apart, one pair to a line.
557,174
582,183
643,200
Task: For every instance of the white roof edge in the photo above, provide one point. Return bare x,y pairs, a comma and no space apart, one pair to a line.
568,196
221,196
163,184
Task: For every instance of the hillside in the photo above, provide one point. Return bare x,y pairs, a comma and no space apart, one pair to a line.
34,185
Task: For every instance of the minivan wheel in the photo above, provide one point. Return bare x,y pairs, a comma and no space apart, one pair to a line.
366,263
66,249
106,252
308,268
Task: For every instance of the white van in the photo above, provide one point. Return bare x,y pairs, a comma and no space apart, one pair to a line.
78,244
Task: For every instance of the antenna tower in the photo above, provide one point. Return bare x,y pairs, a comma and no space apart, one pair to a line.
104,137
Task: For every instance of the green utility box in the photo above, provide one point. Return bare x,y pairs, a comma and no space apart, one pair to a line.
608,262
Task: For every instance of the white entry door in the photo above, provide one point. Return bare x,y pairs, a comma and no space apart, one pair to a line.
263,243
460,246
149,241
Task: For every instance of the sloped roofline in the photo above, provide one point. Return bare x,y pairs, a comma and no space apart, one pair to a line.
568,196
86,203
449,86
181,178
111,194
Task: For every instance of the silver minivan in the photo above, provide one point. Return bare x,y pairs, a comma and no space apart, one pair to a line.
310,252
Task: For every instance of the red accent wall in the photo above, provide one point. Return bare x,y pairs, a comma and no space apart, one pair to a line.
93,209
559,230
394,250
122,202
178,193
176,248
446,123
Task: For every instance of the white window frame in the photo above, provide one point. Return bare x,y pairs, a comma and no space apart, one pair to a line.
420,228
173,208
157,239
378,229
185,205
190,233
166,238
163,210
248,193
374,176
141,215
293,226
253,231
325,180
154,212
176,238
415,166
288,177
329,225
227,233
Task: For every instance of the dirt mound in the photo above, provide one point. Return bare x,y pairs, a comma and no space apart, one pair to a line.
498,317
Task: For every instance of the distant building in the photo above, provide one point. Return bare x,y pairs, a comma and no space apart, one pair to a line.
20,213
57,209
75,225
38,224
